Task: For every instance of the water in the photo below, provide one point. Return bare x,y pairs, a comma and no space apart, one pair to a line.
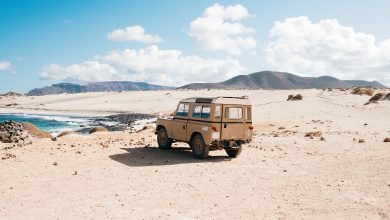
51,123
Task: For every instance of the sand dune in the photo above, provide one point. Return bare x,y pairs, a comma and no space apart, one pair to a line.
282,174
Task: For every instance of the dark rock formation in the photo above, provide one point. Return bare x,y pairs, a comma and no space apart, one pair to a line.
129,118
294,98
379,97
12,132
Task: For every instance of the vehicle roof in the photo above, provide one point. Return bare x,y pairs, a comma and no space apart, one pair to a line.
238,100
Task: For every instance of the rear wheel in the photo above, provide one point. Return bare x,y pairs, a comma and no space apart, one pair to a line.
199,149
164,142
234,149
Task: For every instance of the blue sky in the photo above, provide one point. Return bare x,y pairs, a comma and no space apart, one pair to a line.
44,42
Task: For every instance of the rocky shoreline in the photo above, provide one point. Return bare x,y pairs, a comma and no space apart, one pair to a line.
12,132
129,118
20,133
124,121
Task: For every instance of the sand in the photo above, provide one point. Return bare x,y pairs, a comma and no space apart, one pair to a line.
281,175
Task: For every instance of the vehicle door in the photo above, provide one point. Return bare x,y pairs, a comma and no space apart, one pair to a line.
248,127
180,122
199,121
233,125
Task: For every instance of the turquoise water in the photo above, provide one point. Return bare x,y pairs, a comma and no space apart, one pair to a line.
50,123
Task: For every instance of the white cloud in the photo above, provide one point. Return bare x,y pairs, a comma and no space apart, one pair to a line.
5,65
150,64
88,71
170,67
219,29
133,33
327,47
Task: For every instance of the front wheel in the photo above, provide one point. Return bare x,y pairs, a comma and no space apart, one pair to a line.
235,150
164,142
199,149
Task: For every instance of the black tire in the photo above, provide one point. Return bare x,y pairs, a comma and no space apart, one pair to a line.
234,151
164,142
199,149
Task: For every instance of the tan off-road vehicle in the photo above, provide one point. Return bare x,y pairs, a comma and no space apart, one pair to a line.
208,124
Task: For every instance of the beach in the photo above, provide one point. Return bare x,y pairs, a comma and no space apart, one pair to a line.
280,175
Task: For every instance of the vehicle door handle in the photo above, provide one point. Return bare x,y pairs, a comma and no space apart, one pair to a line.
224,125
184,127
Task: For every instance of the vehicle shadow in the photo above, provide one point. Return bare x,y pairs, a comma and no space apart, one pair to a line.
153,156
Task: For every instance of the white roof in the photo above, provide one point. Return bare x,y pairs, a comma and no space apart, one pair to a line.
239,100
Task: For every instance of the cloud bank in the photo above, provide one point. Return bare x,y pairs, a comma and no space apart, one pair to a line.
150,64
88,71
299,45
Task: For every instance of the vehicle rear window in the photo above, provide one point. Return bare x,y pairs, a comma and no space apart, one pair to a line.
201,111
182,110
233,113
248,113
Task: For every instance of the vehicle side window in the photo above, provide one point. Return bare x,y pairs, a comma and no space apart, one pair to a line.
201,111
205,112
218,112
182,110
233,113
248,113
197,111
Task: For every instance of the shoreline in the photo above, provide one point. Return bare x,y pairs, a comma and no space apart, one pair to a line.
75,113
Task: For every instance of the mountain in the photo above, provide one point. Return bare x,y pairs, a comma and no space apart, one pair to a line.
281,80
109,86
362,83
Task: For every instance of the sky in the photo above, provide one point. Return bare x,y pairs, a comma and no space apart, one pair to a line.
176,42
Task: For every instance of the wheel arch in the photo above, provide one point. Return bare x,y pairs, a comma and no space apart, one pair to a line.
194,134
160,127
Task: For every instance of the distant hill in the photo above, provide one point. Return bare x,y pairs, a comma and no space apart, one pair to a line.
281,80
362,83
110,86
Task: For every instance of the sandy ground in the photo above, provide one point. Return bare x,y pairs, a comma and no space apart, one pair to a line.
120,175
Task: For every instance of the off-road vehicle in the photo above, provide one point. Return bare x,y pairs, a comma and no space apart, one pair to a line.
208,124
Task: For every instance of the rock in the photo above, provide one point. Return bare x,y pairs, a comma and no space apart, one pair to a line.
8,156
361,141
294,98
54,138
35,131
12,132
98,129
55,164
378,97
3,136
67,133
322,139
129,118
362,91
386,140
313,134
